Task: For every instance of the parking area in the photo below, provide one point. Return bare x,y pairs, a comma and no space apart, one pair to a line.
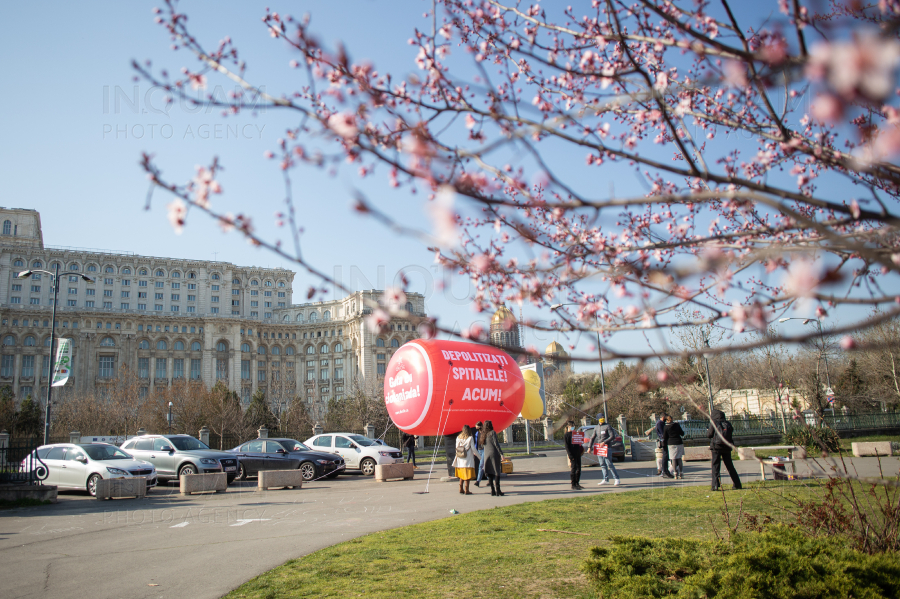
169,545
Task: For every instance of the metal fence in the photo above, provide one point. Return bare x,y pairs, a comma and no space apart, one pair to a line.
19,465
758,426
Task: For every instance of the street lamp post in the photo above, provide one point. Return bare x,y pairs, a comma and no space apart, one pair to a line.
708,383
555,307
824,354
26,274
170,417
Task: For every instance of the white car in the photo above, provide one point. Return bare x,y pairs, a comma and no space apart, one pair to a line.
359,453
80,466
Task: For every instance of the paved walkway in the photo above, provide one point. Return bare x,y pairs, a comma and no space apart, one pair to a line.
206,545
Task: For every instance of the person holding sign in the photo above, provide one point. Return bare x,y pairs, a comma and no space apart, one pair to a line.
573,440
600,441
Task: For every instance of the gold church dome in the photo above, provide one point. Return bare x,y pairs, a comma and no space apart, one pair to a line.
555,348
502,315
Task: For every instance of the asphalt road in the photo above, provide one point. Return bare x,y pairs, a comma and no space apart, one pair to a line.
206,545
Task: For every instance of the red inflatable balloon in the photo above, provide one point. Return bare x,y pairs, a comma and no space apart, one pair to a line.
435,387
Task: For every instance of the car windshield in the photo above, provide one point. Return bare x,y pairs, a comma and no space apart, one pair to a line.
105,452
187,443
292,445
364,441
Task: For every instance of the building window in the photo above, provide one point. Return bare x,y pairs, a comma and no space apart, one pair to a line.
178,345
379,342
161,344
245,370
215,277
7,227
174,308
178,368
381,369
15,300
142,306
160,273
221,369
158,296
87,304
124,305
339,373
254,304
107,342
160,368
195,369
6,366
380,356
142,284
107,367
214,310
260,375
268,315
27,367
175,297
143,392
395,343
338,348
311,375
191,308
144,368
29,341
157,307
90,291
36,301
159,284
25,391
254,314
195,346
126,282
214,299
235,302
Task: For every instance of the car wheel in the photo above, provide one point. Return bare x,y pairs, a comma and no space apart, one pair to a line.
367,466
92,484
308,470
242,472
187,470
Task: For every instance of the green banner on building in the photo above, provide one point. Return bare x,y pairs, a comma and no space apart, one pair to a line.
62,366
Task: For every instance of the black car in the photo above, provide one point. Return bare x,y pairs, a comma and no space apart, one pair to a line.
286,454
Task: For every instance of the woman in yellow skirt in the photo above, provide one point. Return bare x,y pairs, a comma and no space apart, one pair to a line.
465,459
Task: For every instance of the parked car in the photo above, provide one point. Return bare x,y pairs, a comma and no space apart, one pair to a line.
616,448
359,453
80,465
285,454
175,455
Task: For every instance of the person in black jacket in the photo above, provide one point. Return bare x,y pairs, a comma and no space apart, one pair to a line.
660,431
409,442
574,452
673,440
493,458
721,438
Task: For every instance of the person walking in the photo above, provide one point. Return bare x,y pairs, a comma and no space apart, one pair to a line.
660,431
409,442
493,456
603,436
574,452
464,463
479,451
673,439
721,438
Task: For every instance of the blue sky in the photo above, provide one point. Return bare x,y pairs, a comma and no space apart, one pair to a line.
76,124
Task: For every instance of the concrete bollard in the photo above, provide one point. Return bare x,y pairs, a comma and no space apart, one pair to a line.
370,431
263,433
548,429
317,429
75,437
141,432
268,479
204,435
385,471
110,488
201,483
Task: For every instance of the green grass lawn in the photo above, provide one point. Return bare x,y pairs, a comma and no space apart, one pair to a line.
501,552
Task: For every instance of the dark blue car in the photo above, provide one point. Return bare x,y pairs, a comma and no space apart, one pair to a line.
285,454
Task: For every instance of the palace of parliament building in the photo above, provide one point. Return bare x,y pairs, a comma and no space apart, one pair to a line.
167,319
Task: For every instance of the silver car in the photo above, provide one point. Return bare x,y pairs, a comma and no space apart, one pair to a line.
178,455
80,466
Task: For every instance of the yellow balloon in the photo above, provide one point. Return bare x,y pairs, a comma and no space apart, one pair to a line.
533,406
